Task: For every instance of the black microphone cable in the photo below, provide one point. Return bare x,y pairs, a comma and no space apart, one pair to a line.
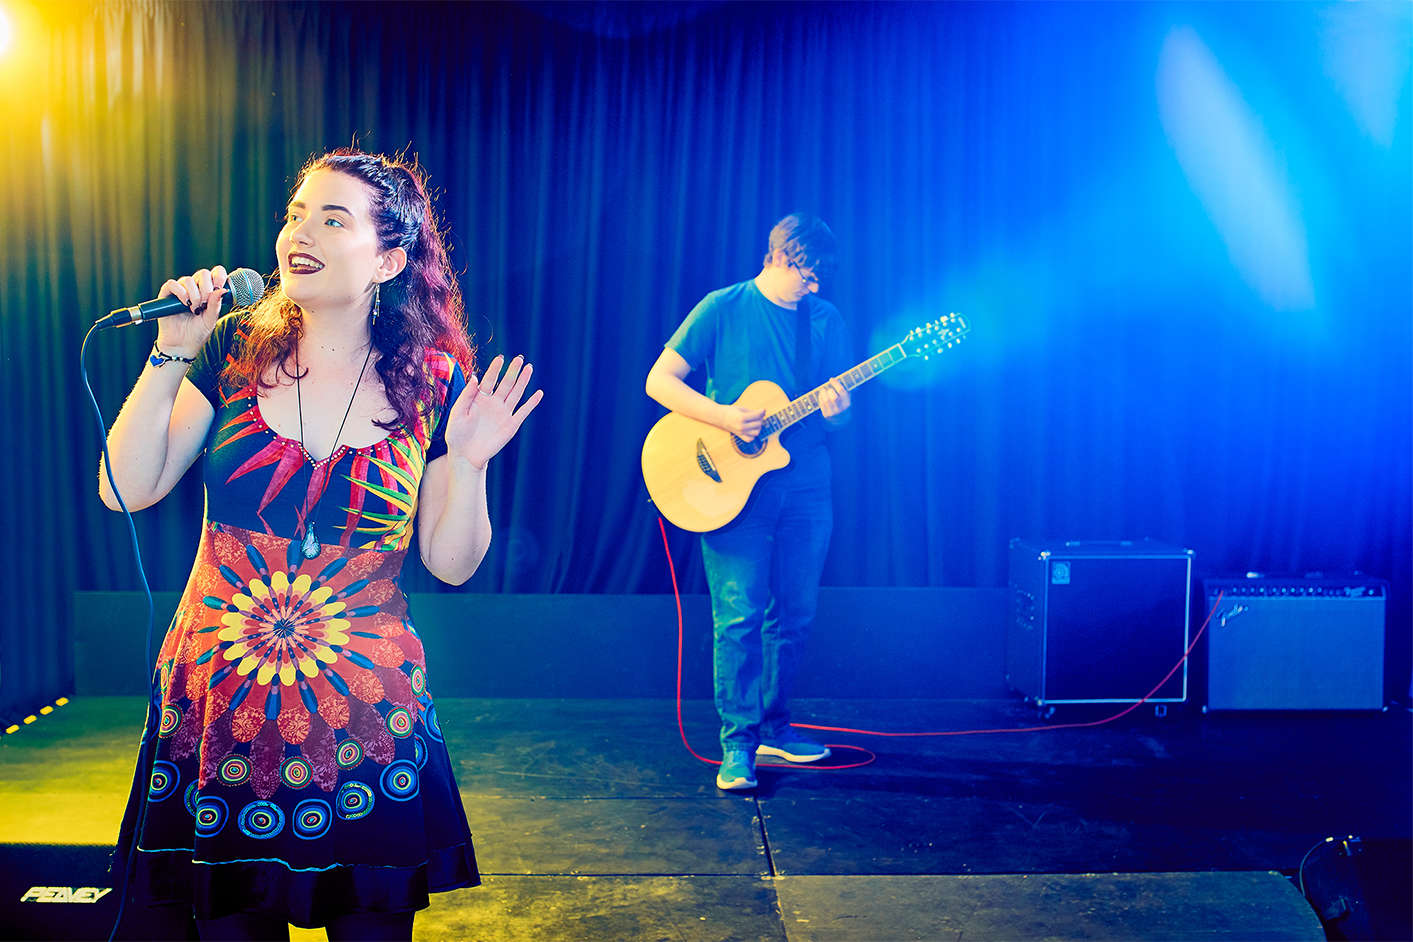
151,614
244,286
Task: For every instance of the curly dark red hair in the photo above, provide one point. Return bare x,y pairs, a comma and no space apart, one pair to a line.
421,308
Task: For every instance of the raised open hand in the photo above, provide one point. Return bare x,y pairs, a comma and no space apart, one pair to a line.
485,416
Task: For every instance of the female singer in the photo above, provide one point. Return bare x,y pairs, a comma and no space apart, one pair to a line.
292,768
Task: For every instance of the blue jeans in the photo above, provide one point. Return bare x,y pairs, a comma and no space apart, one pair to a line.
764,569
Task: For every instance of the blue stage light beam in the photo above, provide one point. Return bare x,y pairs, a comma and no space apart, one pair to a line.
1236,172
1364,48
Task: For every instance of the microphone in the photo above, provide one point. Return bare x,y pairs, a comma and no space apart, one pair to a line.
244,286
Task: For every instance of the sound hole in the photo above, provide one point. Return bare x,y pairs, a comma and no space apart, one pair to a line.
749,448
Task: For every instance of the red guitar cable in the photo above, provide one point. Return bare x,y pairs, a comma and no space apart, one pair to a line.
672,570
682,729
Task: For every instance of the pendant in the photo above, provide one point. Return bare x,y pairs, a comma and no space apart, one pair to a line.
309,546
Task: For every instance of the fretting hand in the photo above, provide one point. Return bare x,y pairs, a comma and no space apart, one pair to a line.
833,399
485,416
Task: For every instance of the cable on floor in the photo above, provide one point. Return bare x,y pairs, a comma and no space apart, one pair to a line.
871,757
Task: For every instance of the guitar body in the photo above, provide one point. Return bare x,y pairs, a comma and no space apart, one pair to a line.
699,476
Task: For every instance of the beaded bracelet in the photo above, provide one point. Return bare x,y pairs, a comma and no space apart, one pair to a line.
158,358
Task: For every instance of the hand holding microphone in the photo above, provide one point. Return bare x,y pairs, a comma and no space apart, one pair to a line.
204,296
200,294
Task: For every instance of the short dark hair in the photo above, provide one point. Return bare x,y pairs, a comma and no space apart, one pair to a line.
806,241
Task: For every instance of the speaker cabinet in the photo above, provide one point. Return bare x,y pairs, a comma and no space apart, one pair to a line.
1098,622
65,891
1295,644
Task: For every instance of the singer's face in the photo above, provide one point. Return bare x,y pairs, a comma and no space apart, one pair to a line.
328,248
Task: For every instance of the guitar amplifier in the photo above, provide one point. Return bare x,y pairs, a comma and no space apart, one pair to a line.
1296,644
1098,622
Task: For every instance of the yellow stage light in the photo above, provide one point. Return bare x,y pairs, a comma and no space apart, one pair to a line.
25,35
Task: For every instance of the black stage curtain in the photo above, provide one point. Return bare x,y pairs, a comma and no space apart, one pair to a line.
603,166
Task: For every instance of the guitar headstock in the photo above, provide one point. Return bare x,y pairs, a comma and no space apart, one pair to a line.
935,336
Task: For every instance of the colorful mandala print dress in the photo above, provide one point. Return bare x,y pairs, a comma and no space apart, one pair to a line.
292,762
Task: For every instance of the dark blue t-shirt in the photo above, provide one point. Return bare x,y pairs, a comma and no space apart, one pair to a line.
740,336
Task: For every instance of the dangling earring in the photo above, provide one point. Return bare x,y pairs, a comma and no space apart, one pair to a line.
377,301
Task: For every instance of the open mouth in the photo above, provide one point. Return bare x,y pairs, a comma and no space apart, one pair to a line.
301,264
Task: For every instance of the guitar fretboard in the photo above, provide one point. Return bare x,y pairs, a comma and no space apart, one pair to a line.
807,404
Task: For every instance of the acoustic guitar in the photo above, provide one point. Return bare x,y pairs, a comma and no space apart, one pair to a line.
700,476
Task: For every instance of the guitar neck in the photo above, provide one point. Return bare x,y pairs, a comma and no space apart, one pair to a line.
807,404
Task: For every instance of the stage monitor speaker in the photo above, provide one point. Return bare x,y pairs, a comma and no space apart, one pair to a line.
1296,644
1098,622
64,891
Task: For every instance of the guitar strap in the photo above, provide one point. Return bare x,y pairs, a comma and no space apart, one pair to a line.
802,348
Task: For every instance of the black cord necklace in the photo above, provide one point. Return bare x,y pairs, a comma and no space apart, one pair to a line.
309,546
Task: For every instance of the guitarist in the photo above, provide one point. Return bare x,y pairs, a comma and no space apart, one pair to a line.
764,567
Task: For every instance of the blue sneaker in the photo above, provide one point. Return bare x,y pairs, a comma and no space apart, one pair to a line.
738,770
792,747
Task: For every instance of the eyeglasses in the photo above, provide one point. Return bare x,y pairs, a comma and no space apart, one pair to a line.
808,277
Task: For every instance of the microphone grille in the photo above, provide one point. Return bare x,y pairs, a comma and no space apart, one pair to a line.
246,286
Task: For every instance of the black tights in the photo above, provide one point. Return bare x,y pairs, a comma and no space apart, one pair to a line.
355,927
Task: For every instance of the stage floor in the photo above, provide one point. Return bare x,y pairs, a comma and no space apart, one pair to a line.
592,821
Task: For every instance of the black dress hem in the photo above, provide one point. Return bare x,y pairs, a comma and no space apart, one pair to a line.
307,899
